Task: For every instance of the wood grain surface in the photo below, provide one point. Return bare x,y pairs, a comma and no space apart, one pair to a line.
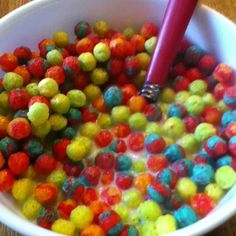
226,7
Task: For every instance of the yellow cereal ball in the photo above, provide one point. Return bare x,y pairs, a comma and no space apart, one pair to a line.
92,92
166,224
64,227
31,208
123,212
22,189
82,140
61,39
58,122
81,216
186,188
214,191
76,151
101,28
89,129
41,131
167,95
57,177
104,121
144,60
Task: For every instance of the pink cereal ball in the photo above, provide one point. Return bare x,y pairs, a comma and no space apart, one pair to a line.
223,73
230,130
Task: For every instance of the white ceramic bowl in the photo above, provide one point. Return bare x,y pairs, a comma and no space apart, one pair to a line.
36,20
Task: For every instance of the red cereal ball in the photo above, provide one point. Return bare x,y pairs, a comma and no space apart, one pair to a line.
89,114
202,204
7,180
230,130
103,138
46,193
136,141
39,99
23,54
90,176
167,176
138,41
84,45
107,177
118,48
45,164
124,180
64,52
81,80
118,146
152,112
105,160
157,163
59,149
223,73
121,79
111,195
37,67
132,66
137,103
70,66
56,73
89,195
65,208
45,46
46,217
230,97
35,54
149,30
114,66
129,49
207,64
219,91
73,169
154,144
18,163
82,29
8,62
121,130
193,74
178,69
212,115
71,48
18,99
19,128
97,208
191,122
181,83
128,91
24,73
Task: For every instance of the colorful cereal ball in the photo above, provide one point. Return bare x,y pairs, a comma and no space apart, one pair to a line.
158,191
232,145
111,195
61,39
70,67
189,143
204,131
132,66
168,177
31,208
84,45
18,99
202,174
18,163
22,189
212,115
228,117
63,227
154,144
118,146
230,97
191,122
215,146
8,146
37,67
99,76
186,188
56,73
129,230
24,73
141,182
181,83
90,176
46,217
132,198
105,161
123,163
110,222
48,87
45,164
137,121
92,230
165,224
4,121
113,96
174,152
175,202
194,105
136,142
223,73
230,130
176,110
7,180
214,191
12,80
8,62
174,127
60,103
149,30
101,28
118,48
82,29
152,112
87,61
157,163
182,167
124,180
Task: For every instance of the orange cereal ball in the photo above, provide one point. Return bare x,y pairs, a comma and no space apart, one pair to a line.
46,193
19,128
137,103
142,181
93,230
24,73
4,121
97,208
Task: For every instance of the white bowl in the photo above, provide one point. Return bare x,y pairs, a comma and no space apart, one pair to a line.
36,20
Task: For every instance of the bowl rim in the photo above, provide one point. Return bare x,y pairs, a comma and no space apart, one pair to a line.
25,227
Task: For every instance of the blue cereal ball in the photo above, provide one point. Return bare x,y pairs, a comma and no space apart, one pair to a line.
230,97
228,117
182,167
69,186
123,163
154,143
152,112
226,160
113,97
8,146
168,177
185,216
174,152
202,174
177,110
203,158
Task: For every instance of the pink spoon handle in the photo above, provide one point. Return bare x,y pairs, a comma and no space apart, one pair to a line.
176,19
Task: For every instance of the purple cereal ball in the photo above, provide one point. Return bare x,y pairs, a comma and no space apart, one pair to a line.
230,97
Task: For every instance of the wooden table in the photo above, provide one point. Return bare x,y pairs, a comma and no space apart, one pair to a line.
228,8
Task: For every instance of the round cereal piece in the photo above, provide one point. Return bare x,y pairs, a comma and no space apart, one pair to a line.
209,99
65,227
139,166
8,62
22,189
70,67
105,161
149,210
111,195
48,87
101,28
148,229
123,212
118,146
90,176
154,144
89,130
77,98
230,97
92,230
202,174
174,152
150,44
153,128
129,32
191,122
194,105
57,177
76,151
11,81
189,143
7,180
124,180
165,224
54,58
192,55
167,177
181,97
152,112
175,202
204,131
129,230
101,52
214,191
120,114
65,207
230,130
8,146
70,186
223,73
186,188
32,89
137,103
174,127
132,198
60,103
92,92
74,116
167,95
144,60
31,208
99,76
113,96
123,163
40,131
138,121
158,191
228,117
176,110
232,145
136,141
132,66
58,122
87,61
212,115
18,99
198,87
61,39
82,29
46,217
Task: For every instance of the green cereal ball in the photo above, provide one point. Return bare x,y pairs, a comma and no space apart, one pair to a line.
123,212
181,97
31,208
195,105
134,219
87,61
144,60
81,216
225,177
76,151
214,191
129,32
132,198
61,39
38,113
104,121
77,98
164,107
209,99
198,87
222,106
12,80
4,104
48,87
139,166
149,210
58,122
153,128
167,95
42,130
120,114
174,127
32,89
22,189
165,224
204,131
82,140
186,188
54,58
101,27
139,79
60,103
101,52
148,229
57,177
89,129
150,44
64,227
99,76
189,143
138,121
92,92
